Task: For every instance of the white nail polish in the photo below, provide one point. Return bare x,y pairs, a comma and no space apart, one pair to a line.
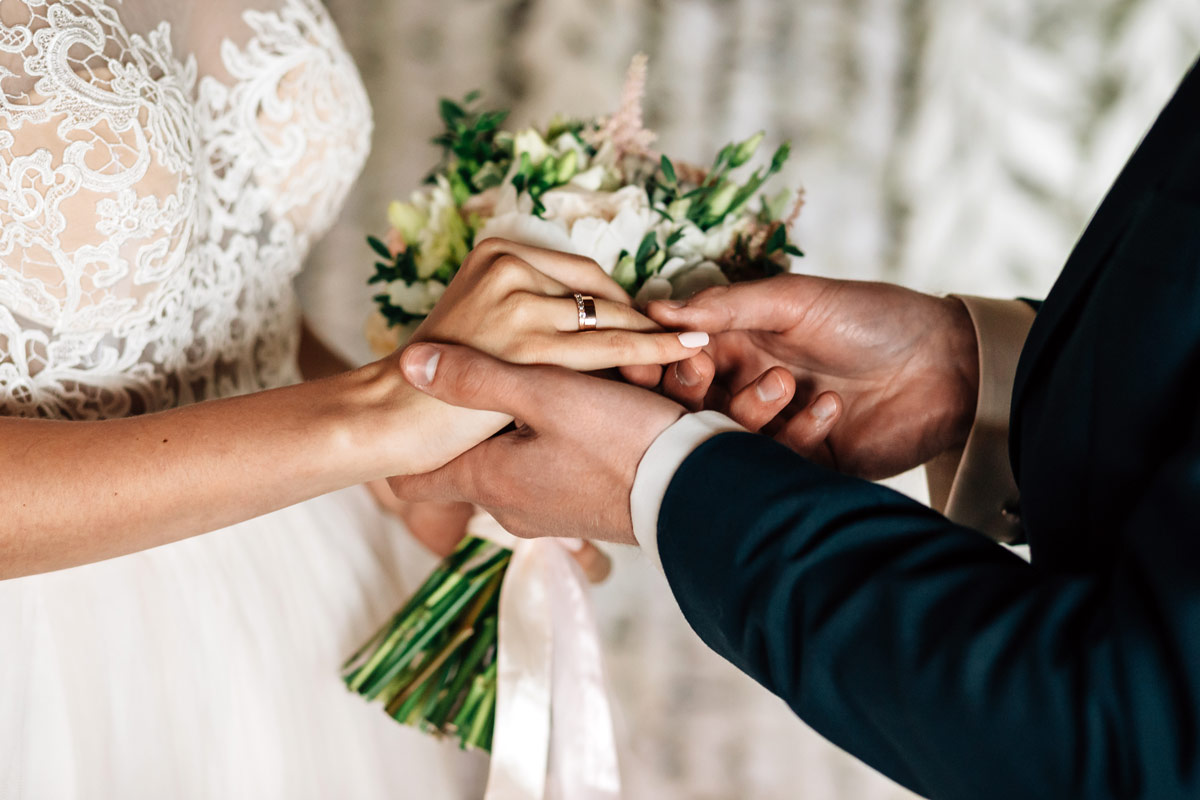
693,339
574,545
431,367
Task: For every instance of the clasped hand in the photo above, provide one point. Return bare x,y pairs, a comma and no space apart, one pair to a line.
868,378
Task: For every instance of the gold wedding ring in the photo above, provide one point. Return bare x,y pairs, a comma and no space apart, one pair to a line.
587,311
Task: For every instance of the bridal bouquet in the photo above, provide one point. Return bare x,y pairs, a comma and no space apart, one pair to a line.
659,227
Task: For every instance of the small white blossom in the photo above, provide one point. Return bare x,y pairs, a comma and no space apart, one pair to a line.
443,240
417,298
531,142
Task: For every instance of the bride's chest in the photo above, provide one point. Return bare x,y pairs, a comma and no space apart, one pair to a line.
142,157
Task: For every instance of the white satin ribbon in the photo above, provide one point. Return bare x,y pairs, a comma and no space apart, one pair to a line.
553,738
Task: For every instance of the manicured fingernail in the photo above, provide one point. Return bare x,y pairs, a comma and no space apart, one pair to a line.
693,339
686,373
420,364
574,545
770,388
824,408
673,303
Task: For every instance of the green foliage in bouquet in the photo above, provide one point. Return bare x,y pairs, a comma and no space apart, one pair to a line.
433,666
432,232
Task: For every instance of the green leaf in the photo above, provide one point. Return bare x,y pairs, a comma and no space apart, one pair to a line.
472,96
792,250
489,175
674,238
525,166
379,247
646,248
722,160
451,112
780,158
490,121
668,171
778,240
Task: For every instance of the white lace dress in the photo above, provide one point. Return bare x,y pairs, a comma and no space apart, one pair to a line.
164,167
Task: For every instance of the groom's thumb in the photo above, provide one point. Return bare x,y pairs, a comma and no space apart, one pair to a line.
464,377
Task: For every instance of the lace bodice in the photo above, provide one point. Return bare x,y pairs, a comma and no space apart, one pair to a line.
164,167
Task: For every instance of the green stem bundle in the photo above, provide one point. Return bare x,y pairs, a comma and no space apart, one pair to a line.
433,665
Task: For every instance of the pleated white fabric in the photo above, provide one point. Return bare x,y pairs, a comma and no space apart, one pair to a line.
210,668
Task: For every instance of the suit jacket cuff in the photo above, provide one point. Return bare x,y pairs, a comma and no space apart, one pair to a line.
659,465
974,486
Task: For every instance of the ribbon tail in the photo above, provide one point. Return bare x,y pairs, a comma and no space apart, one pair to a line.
521,738
554,736
583,750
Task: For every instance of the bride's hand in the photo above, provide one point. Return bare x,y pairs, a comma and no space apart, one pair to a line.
516,302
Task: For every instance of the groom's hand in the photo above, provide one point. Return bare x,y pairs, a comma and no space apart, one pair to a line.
870,378
569,466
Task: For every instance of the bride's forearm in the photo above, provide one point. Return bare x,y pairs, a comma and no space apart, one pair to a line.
77,492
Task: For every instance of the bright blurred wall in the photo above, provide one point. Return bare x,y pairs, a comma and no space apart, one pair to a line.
946,145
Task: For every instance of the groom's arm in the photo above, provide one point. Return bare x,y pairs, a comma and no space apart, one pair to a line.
928,651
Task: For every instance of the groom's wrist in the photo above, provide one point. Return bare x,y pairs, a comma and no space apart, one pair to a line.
961,343
658,467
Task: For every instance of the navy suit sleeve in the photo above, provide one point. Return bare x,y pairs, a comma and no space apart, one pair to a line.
934,655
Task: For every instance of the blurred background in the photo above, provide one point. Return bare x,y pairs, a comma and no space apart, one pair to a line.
944,145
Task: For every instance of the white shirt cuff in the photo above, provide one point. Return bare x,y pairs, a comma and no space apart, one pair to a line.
659,465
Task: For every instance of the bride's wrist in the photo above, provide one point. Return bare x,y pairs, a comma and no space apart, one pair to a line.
393,429
374,429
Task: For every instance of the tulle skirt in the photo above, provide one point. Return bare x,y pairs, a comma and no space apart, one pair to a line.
209,668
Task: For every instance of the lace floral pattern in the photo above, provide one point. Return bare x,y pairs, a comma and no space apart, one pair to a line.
151,217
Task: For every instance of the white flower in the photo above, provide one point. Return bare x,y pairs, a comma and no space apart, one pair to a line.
409,219
599,225
687,282
416,298
531,142
527,229
696,245
656,288
567,143
679,280
590,179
